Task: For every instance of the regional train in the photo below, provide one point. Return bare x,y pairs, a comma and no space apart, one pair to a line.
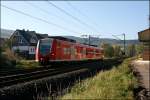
62,49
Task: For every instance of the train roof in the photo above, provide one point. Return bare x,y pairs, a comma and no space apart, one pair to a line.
62,38
87,46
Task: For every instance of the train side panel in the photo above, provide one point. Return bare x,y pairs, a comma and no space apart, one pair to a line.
63,50
52,55
79,52
68,51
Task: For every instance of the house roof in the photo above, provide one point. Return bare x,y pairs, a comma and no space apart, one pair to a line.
29,34
144,36
26,34
143,31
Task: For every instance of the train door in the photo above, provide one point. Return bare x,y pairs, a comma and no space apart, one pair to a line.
72,52
84,53
58,50
94,53
66,51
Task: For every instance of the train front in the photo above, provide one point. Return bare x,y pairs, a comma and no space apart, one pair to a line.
43,50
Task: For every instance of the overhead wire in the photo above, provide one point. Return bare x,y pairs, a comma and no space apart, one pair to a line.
81,13
73,17
43,10
40,19
116,37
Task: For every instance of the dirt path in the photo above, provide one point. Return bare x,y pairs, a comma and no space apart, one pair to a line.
142,70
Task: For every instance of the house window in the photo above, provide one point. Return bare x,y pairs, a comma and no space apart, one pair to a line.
33,40
32,50
17,33
20,40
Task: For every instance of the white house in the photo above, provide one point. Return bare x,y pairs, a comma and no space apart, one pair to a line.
24,42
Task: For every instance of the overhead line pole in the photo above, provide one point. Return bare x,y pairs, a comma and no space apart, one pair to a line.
124,41
89,40
124,44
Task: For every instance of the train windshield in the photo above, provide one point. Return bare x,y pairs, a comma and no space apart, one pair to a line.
45,46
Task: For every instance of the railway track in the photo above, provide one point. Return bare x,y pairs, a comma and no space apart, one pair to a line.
12,79
49,81
25,76
5,72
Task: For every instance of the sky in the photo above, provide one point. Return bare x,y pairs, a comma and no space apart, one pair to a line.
96,18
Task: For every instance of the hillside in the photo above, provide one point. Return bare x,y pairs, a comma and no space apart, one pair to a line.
5,33
97,41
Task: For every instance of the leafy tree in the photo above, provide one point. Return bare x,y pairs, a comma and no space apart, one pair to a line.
117,51
108,50
131,51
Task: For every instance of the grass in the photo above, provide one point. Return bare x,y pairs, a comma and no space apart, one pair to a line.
117,83
10,60
27,64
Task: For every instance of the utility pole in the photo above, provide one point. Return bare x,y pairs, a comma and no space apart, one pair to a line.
85,42
89,40
124,43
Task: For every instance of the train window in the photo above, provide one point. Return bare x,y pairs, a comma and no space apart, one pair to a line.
81,51
67,51
76,51
45,46
72,50
90,51
84,51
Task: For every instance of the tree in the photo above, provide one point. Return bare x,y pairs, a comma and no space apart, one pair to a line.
108,50
117,51
131,51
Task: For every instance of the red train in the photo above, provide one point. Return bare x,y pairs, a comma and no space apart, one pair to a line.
63,49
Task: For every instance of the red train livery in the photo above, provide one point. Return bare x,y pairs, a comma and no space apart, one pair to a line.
58,49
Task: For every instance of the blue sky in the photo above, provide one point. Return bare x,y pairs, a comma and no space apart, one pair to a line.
104,18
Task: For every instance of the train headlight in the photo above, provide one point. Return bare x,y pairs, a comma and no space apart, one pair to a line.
41,59
52,54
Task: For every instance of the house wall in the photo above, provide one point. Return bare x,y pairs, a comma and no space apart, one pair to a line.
32,49
144,37
26,42
26,51
21,48
146,53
